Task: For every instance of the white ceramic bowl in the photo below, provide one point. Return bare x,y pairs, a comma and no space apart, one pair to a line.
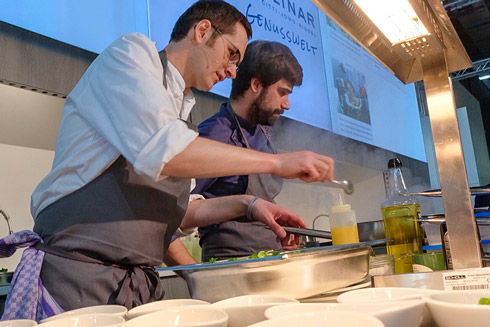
249,309
323,319
459,308
161,305
384,294
184,316
389,313
87,320
112,309
18,323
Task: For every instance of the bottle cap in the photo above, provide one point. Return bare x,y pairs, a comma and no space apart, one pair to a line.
394,163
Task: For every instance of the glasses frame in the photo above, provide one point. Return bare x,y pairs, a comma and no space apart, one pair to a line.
231,61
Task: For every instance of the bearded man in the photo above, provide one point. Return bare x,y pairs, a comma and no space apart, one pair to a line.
259,95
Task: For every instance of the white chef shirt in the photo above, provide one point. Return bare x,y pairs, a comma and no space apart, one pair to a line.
119,107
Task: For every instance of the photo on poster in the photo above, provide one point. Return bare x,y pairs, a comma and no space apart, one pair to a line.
351,91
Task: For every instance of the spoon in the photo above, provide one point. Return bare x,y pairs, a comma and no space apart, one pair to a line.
346,185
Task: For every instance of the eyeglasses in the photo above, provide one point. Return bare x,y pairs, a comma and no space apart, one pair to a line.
235,56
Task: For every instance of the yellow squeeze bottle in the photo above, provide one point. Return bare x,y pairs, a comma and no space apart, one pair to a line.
343,224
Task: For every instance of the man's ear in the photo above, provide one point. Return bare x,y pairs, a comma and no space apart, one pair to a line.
255,85
202,31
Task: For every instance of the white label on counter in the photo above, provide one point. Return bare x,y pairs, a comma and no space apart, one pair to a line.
468,279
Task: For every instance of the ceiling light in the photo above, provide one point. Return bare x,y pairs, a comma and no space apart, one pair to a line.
482,77
395,18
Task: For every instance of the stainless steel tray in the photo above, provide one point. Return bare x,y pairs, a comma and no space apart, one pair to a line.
297,275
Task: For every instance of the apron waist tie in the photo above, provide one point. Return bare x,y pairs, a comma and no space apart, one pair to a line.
144,279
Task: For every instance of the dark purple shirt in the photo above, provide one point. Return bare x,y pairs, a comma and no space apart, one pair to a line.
222,127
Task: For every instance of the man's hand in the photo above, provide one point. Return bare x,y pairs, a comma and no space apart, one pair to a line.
290,243
306,165
276,216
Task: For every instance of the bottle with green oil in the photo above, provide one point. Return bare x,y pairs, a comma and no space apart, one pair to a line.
400,213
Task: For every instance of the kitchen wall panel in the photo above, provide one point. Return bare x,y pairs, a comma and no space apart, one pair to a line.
40,63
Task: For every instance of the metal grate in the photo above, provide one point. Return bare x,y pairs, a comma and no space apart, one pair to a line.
416,47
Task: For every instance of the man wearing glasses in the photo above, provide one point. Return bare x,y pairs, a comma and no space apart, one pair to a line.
120,181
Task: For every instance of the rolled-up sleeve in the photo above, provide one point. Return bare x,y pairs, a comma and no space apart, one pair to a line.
135,113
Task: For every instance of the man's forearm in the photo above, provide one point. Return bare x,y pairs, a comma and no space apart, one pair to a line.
208,158
216,210
177,255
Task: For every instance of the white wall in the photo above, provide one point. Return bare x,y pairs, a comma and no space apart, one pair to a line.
472,139
29,119
465,99
21,169
28,129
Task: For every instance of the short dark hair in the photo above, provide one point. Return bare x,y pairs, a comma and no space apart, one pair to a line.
269,62
222,15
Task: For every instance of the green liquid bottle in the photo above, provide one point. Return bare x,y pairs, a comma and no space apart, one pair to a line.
400,214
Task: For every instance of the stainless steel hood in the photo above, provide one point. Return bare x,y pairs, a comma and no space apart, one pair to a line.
403,59
430,58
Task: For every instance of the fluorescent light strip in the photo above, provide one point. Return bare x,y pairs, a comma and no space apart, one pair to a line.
395,18
481,78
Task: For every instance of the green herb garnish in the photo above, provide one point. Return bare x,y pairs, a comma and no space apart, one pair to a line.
263,254
484,300
213,260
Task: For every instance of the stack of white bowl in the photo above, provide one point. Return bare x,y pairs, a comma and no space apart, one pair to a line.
178,312
94,316
391,297
368,307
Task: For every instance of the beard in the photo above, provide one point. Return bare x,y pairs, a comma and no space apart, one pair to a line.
259,114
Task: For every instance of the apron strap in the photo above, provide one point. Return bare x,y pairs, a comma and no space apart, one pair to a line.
264,130
163,59
142,278
70,255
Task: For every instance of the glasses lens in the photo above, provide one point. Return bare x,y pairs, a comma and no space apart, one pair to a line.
235,57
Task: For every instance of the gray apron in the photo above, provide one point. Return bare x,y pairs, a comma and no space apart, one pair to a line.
103,241
240,237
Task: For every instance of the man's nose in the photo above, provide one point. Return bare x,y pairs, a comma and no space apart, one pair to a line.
285,104
230,71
